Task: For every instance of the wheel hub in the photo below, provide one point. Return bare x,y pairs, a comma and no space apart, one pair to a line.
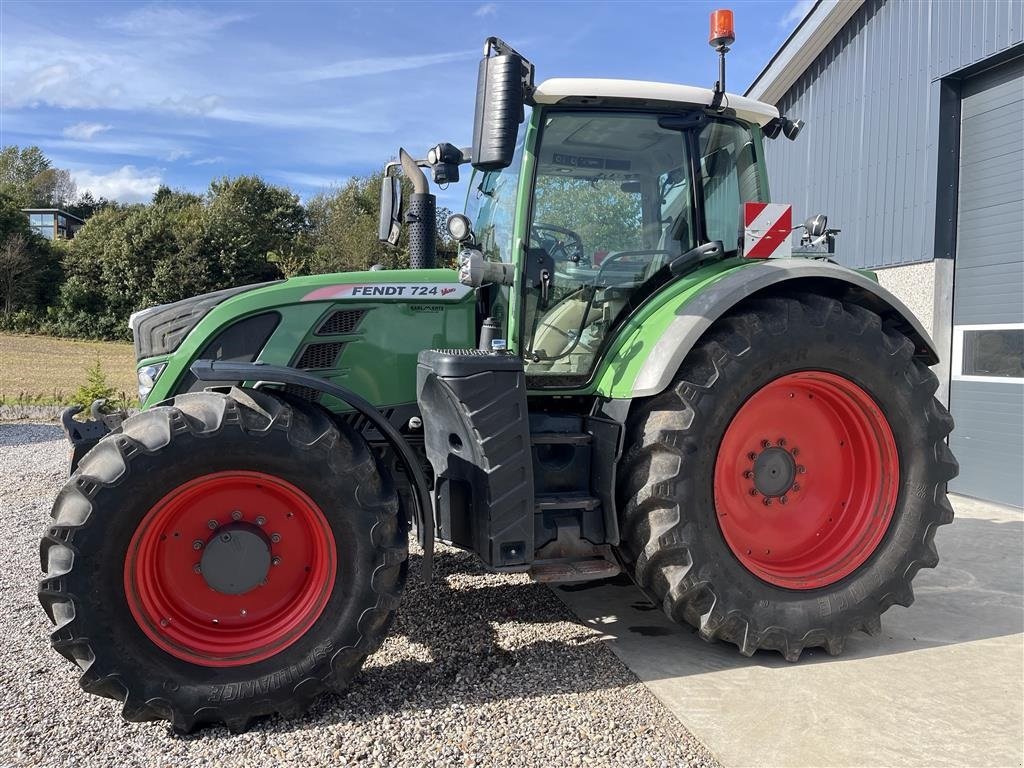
236,559
774,472
230,568
806,480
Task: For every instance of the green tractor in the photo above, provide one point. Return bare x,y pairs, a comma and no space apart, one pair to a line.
613,380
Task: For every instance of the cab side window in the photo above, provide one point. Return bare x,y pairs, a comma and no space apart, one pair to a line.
728,164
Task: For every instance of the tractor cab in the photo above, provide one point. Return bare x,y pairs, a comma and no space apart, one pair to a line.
587,197
616,190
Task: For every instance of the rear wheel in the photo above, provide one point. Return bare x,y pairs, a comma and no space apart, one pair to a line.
223,557
786,489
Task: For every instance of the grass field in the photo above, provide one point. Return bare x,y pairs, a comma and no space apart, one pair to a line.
47,371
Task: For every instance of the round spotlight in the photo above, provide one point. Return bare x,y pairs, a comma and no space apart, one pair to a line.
459,227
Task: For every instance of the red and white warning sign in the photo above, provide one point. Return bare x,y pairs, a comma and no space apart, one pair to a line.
767,229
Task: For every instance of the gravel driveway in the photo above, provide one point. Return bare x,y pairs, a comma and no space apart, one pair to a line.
478,670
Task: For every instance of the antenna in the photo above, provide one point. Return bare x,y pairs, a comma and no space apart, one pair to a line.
723,34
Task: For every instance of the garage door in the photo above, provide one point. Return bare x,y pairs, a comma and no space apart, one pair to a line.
987,366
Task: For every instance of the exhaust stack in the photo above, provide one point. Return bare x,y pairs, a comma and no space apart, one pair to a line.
420,216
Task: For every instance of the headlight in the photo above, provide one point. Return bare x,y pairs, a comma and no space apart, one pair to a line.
148,374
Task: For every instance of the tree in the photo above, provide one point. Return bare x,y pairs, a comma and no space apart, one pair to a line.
27,175
52,188
29,266
17,277
247,221
86,205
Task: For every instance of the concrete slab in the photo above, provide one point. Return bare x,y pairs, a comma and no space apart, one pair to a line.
944,685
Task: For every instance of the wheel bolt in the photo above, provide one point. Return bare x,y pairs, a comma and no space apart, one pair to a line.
212,525
796,451
752,456
765,443
236,515
783,500
197,568
782,442
796,486
801,468
748,474
243,612
276,561
275,537
197,545
261,520
767,501
753,491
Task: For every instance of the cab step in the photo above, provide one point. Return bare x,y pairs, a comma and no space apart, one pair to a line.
589,569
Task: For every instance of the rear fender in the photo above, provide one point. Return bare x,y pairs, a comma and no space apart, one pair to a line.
679,323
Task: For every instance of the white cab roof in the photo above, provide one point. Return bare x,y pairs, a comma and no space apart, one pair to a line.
559,88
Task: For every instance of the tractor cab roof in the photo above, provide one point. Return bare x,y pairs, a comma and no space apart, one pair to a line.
586,90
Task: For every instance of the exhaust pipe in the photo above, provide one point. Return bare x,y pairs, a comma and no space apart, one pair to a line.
420,216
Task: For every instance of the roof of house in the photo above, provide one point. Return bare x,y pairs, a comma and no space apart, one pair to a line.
561,88
53,210
801,48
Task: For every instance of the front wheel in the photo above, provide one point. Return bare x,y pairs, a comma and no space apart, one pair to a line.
223,557
785,490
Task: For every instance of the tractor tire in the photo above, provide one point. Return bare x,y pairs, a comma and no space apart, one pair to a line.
785,490
221,558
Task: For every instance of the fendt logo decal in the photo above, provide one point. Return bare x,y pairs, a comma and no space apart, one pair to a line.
436,291
767,230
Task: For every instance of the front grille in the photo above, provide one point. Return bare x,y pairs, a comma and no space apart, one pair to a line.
342,321
318,356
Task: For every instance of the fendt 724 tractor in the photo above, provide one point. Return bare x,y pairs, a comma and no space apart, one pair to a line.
612,380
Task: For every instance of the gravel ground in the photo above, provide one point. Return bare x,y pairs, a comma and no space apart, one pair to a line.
478,670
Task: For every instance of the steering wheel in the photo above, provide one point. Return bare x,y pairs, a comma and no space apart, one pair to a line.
562,244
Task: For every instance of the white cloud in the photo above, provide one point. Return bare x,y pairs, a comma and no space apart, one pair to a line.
170,21
485,10
797,12
127,184
311,179
85,131
208,160
379,65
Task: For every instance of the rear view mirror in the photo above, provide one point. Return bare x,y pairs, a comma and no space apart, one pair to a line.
501,90
390,210
816,225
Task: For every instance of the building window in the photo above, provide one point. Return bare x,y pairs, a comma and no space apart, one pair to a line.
993,353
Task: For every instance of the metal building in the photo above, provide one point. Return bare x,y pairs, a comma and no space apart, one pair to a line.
914,147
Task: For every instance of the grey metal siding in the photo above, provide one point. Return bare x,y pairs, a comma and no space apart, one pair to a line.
867,156
988,285
988,440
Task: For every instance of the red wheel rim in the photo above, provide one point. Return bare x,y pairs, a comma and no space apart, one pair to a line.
806,480
179,611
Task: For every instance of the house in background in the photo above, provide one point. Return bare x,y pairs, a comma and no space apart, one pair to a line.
53,223
914,147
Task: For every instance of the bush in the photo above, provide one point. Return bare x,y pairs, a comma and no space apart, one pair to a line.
94,388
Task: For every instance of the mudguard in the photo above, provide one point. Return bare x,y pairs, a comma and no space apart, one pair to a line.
698,306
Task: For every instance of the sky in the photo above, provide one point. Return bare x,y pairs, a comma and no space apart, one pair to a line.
129,96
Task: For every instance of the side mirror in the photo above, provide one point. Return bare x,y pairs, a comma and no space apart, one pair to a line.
816,225
390,210
503,83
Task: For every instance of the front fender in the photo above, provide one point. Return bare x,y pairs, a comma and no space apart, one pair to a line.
650,348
